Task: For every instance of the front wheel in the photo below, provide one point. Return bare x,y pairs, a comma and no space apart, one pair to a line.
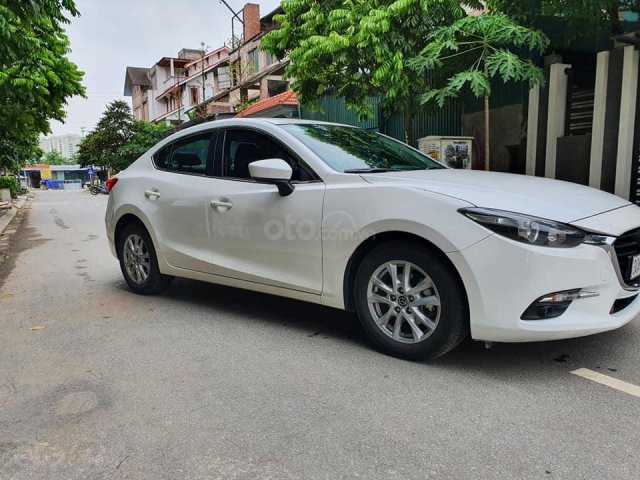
138,261
410,303
94,190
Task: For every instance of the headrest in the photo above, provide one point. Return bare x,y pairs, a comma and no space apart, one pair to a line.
186,159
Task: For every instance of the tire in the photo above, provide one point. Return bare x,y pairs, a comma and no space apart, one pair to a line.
135,248
94,191
432,308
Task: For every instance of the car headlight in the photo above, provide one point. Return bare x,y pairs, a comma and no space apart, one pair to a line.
531,230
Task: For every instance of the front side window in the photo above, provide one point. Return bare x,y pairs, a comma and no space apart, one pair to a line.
241,147
354,150
187,156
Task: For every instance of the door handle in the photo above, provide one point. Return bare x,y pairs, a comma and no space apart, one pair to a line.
222,205
153,193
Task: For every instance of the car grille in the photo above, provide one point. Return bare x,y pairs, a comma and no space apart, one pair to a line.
626,246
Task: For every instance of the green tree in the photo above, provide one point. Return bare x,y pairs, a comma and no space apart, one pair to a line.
358,49
113,131
145,135
18,148
118,140
480,49
36,77
583,18
54,158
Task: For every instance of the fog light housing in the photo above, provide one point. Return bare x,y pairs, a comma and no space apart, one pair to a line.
555,304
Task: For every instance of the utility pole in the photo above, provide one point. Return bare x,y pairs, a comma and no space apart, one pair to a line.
233,38
204,52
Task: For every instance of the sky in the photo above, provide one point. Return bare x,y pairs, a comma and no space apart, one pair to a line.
110,35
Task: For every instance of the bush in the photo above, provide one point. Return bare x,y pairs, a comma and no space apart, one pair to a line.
12,184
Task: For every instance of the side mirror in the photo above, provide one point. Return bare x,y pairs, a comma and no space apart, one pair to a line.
275,171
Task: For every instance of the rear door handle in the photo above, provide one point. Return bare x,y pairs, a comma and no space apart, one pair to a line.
222,205
153,193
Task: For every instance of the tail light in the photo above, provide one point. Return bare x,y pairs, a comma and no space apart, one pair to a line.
111,183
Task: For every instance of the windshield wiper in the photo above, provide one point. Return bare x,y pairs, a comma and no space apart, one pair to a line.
369,170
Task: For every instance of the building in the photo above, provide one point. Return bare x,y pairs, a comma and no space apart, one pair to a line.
58,177
204,77
65,145
173,86
223,81
256,76
283,105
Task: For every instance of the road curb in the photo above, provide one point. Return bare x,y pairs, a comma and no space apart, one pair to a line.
5,219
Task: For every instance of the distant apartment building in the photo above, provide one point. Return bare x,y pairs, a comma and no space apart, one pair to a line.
65,145
174,86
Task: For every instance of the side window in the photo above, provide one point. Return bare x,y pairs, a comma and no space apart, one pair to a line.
187,156
241,147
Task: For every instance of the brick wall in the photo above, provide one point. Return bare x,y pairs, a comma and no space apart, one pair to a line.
251,19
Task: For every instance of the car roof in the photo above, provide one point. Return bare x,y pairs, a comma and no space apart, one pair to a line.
248,122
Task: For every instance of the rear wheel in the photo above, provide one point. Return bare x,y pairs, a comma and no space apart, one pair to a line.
138,261
409,302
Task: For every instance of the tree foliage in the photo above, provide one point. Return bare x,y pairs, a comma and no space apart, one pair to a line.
36,77
480,48
10,182
583,18
145,135
113,131
358,49
118,140
54,158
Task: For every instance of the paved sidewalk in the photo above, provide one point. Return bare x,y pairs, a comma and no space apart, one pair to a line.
7,215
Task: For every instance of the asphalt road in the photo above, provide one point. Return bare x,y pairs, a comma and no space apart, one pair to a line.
211,382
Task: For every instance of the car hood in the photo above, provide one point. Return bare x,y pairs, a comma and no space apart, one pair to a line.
541,197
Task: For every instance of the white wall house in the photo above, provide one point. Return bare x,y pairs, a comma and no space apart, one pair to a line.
210,71
173,86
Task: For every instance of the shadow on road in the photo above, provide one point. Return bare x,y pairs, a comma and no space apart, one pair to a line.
502,360
312,319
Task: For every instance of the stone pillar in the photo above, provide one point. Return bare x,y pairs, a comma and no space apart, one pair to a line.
599,115
626,128
532,129
557,114
264,89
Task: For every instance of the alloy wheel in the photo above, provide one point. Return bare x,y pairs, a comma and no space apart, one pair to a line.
137,261
403,301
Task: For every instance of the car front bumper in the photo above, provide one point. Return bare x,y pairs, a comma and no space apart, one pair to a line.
503,278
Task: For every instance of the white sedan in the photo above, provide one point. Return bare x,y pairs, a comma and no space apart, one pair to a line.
355,220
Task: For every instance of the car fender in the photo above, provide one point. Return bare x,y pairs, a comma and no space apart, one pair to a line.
351,220
129,209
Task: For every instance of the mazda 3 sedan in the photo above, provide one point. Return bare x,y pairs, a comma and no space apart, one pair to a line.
352,219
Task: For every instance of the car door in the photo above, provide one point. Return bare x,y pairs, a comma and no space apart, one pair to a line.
258,235
176,201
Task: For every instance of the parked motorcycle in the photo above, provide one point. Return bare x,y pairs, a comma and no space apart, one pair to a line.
97,189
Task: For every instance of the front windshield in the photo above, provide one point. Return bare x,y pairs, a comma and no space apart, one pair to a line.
354,150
